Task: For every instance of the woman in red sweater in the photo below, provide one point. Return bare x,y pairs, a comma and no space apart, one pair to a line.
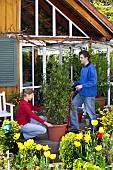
32,125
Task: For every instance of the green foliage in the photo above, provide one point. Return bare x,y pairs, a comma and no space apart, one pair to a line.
79,164
92,149
99,59
67,150
56,92
107,118
8,139
105,7
3,159
15,99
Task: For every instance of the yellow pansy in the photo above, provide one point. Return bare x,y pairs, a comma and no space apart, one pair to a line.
94,122
98,147
47,154
20,145
46,147
79,136
87,138
37,167
77,144
16,136
52,156
38,147
101,130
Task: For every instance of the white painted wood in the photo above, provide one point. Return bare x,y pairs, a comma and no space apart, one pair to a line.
36,18
8,161
44,62
3,112
108,74
60,54
54,21
70,29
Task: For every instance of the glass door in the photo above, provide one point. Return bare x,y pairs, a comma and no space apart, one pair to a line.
32,71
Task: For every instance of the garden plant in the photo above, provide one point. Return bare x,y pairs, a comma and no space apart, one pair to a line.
87,148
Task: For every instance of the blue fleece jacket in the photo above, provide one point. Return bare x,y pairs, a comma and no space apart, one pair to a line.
88,79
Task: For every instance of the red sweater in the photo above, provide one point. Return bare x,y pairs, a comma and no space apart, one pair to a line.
25,112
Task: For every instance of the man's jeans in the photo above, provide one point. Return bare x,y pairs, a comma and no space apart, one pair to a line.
34,128
89,105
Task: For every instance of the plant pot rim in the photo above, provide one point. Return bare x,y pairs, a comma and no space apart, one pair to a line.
55,126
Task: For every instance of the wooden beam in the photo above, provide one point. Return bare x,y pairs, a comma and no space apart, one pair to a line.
89,17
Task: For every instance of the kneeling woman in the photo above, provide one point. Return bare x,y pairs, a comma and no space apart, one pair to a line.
32,125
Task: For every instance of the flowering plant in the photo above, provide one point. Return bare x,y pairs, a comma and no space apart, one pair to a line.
9,134
89,146
106,118
32,155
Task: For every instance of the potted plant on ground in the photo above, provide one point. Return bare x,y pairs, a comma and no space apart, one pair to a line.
99,59
56,94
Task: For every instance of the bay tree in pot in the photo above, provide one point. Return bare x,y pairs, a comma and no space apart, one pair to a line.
56,94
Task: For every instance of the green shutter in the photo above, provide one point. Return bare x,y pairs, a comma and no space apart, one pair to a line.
8,62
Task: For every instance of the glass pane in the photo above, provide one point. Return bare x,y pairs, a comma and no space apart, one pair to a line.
27,66
28,16
38,97
76,32
62,25
45,18
38,67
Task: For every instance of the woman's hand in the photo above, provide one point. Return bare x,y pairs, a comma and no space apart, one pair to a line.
48,124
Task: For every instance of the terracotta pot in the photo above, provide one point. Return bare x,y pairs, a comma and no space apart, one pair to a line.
56,132
80,117
101,101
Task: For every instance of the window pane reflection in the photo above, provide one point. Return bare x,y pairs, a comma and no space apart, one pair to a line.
27,66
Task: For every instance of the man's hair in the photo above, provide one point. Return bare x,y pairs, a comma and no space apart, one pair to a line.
26,91
85,53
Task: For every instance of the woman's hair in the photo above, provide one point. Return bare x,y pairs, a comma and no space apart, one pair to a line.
26,91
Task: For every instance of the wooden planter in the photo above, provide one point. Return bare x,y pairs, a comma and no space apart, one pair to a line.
56,132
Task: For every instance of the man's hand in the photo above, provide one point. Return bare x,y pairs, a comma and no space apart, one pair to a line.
48,124
78,87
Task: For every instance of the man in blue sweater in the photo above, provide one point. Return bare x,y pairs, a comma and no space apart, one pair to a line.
87,90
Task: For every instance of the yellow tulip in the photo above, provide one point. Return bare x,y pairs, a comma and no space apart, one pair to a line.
98,147
77,144
20,145
37,167
108,135
52,156
38,147
101,130
87,138
46,147
29,143
94,122
47,154
79,136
